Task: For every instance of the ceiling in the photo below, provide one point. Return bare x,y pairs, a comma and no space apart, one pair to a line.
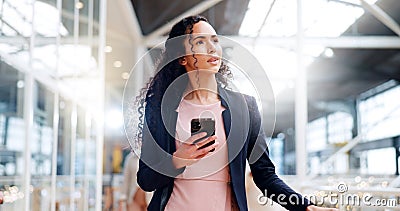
333,83
225,16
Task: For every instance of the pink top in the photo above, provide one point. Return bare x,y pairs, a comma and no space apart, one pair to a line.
203,185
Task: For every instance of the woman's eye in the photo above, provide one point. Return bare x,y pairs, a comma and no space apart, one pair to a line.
216,40
199,42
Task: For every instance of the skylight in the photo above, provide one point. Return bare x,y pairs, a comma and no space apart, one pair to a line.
321,18
74,59
17,19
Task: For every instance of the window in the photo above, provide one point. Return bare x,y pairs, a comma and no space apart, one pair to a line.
380,115
372,160
317,134
340,125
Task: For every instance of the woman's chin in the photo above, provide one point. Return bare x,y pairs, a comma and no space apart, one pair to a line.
214,69
211,70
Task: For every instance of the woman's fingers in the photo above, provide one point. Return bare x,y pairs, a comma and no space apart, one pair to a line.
195,137
204,151
205,141
189,152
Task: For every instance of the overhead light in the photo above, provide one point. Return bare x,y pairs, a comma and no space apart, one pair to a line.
281,136
328,52
125,75
20,84
108,49
117,64
79,5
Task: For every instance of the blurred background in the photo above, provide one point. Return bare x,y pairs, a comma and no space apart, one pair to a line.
334,67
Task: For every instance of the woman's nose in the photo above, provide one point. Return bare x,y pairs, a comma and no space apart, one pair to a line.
211,48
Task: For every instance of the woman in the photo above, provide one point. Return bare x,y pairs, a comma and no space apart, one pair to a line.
192,83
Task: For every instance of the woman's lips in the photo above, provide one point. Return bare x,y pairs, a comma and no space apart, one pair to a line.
213,60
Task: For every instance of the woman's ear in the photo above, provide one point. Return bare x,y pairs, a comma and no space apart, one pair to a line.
182,61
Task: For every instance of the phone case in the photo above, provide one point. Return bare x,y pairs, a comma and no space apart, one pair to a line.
199,125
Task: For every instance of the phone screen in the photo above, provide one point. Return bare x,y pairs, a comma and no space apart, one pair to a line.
207,125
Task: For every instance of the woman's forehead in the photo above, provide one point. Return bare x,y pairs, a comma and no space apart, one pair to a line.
203,27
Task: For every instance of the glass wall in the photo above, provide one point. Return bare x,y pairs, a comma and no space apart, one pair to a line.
64,153
378,117
340,126
80,136
12,136
335,128
47,45
317,134
380,114
324,135
379,110
41,144
371,161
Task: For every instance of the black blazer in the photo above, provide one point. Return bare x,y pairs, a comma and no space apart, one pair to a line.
245,138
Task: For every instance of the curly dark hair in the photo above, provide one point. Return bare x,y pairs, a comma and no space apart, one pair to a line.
169,69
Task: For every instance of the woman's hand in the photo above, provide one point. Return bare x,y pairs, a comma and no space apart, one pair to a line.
315,208
188,153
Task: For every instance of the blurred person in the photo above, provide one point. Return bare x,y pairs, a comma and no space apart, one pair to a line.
188,174
132,197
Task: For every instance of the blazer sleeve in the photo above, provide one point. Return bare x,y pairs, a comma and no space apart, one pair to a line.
262,168
156,169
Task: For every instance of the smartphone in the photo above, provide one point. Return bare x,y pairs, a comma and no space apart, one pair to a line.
199,125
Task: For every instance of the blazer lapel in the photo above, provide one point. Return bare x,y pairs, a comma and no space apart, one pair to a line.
170,116
226,114
236,121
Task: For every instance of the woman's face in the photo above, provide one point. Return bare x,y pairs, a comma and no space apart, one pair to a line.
205,47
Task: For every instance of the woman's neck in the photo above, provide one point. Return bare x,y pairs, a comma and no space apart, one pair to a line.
202,88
